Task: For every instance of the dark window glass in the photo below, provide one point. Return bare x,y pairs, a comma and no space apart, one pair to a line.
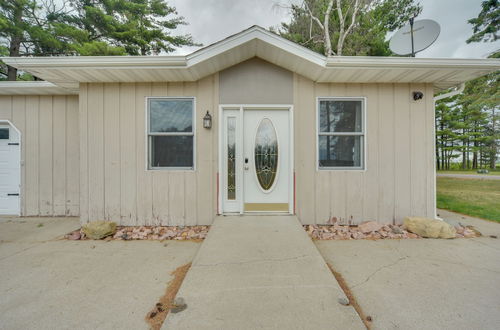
4,133
340,116
340,151
170,115
172,151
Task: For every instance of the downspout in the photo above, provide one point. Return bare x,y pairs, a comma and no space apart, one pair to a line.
460,88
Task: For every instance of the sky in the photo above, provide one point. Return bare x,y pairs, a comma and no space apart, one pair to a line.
213,20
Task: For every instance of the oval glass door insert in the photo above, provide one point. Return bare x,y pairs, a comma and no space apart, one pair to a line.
266,154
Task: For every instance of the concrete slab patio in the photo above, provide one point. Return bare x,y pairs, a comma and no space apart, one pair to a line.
257,272
48,283
425,283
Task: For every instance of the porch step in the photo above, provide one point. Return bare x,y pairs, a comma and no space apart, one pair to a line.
260,272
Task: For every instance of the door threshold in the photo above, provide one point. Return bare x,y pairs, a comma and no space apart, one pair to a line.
232,214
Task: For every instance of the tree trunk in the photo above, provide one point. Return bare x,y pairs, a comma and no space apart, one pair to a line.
15,42
438,164
494,146
464,154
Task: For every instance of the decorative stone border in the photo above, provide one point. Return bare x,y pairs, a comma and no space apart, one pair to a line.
126,233
344,232
374,230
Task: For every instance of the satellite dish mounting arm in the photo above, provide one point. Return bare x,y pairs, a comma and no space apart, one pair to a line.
412,19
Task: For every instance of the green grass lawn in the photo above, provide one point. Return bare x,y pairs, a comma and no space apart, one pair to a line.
491,172
479,198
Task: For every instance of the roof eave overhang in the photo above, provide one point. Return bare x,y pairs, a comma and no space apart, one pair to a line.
68,72
33,88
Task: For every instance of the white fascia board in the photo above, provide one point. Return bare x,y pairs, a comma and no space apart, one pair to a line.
33,88
26,84
412,63
115,62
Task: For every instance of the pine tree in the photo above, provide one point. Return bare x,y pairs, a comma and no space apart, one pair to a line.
25,31
116,27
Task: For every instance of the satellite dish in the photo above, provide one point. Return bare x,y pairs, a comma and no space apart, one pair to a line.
425,32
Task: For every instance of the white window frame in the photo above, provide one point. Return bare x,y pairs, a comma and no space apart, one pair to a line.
149,134
362,134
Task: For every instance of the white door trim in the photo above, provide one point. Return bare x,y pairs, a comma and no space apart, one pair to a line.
221,152
8,122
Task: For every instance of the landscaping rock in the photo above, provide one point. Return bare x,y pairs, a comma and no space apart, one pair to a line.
178,306
99,229
473,229
369,226
343,301
397,230
429,228
76,235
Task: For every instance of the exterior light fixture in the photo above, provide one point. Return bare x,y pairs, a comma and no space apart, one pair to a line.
418,95
207,120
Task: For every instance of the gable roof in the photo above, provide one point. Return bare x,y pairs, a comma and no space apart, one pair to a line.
69,71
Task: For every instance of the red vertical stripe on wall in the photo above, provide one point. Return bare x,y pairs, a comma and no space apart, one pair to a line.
294,199
218,211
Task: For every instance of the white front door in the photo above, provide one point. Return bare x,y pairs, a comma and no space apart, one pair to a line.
256,160
10,170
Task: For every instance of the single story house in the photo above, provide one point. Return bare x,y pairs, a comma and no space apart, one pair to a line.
251,124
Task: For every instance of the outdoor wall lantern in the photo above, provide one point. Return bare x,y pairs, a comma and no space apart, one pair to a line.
418,95
207,120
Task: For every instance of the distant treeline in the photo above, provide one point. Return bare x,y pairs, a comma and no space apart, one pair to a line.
468,125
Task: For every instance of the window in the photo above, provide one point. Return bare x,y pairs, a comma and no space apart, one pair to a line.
4,133
171,133
341,133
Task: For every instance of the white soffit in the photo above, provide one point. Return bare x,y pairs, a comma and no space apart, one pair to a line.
33,88
68,72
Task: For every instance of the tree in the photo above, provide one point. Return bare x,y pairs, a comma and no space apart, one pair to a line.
87,27
115,27
468,124
486,24
24,31
347,27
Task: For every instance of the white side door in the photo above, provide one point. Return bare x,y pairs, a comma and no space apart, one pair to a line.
266,160
10,170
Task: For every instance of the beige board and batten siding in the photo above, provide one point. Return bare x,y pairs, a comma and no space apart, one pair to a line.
256,81
49,152
115,183
398,177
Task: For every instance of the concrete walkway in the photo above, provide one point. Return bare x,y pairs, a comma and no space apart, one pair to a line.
257,272
424,283
49,283
469,176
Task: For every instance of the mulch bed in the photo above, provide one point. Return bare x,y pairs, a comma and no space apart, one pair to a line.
159,233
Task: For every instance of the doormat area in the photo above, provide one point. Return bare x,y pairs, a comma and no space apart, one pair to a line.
156,233
374,230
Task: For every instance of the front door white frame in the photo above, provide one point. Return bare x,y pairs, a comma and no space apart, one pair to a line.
239,156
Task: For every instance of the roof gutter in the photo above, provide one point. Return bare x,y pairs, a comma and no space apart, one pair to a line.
460,89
